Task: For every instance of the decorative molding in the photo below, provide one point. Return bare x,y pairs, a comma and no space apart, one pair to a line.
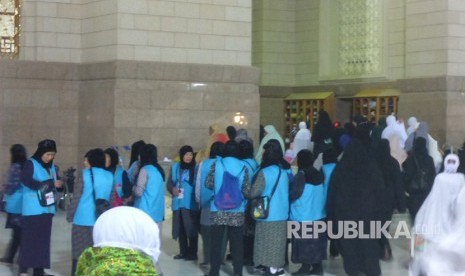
10,27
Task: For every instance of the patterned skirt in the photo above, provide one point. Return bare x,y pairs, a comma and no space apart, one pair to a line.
270,243
81,238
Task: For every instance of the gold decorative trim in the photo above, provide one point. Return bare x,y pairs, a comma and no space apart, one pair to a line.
10,27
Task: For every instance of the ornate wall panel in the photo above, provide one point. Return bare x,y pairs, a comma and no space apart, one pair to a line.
9,27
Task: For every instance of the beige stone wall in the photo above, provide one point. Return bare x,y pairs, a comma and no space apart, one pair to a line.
426,45
39,101
51,30
307,50
116,103
274,41
202,32
395,36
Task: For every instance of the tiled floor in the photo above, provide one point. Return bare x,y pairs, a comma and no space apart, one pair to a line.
61,255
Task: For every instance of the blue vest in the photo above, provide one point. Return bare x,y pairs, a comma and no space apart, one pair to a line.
14,202
118,181
206,195
310,206
327,171
279,204
152,201
103,183
234,166
31,205
252,166
180,179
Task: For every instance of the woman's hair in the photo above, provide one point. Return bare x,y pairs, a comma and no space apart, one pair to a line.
149,156
18,154
114,158
96,158
217,149
136,147
245,149
272,154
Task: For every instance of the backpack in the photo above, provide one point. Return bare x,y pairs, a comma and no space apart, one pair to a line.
229,196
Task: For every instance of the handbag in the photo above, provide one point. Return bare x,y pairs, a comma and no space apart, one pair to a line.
260,206
419,183
47,193
101,205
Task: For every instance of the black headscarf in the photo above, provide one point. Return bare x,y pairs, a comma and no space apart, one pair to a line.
114,159
305,165
231,149
354,186
187,166
44,146
231,131
96,158
149,156
246,149
419,147
383,152
329,156
136,147
217,149
18,154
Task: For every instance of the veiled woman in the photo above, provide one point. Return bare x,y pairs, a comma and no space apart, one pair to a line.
354,194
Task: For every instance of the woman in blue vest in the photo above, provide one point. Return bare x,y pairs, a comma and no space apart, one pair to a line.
180,185
36,223
14,200
134,162
227,220
271,233
308,198
121,186
149,190
203,196
246,155
95,180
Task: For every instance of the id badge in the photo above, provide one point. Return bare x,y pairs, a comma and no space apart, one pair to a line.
50,198
181,193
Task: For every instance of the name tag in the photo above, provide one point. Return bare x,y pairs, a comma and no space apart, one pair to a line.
50,198
181,193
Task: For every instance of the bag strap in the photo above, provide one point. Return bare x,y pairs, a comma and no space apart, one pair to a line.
92,183
276,184
224,168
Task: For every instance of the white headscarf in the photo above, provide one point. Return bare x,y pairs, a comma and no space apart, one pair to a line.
412,123
130,228
437,213
271,133
302,138
394,128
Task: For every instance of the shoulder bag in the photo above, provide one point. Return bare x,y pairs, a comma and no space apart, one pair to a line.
260,206
101,205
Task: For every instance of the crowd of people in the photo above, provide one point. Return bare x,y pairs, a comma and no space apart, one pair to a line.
234,195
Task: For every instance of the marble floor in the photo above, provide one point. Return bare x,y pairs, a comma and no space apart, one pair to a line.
61,255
